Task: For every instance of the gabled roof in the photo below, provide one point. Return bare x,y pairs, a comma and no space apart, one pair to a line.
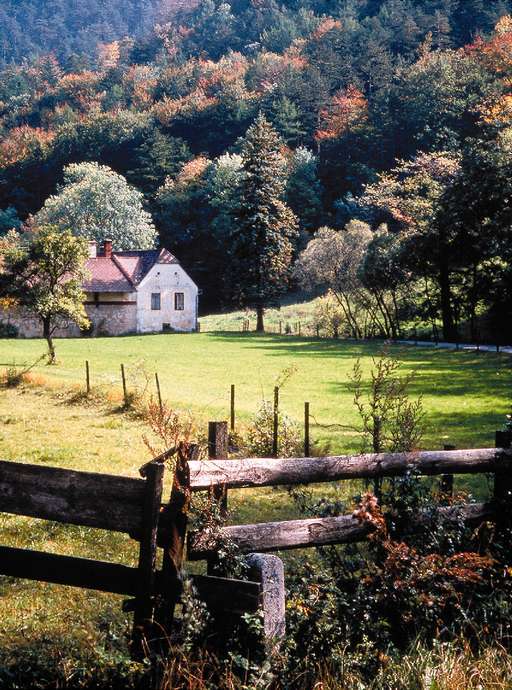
123,271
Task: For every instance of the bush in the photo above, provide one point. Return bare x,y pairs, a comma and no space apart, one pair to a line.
260,434
8,330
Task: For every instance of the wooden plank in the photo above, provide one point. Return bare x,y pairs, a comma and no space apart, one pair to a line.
228,596
68,570
78,498
254,472
142,618
296,534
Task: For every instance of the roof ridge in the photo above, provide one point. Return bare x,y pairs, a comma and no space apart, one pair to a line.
120,267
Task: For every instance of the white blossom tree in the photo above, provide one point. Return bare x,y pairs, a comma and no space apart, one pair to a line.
96,203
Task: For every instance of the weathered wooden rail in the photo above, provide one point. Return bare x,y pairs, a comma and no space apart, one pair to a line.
136,507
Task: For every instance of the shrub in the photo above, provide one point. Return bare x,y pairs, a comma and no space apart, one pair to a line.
8,330
261,433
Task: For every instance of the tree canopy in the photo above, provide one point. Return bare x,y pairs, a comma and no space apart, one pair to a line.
97,203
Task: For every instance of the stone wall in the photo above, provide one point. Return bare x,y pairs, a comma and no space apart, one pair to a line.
112,319
107,319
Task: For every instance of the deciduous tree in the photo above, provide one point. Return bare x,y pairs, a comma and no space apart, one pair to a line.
44,277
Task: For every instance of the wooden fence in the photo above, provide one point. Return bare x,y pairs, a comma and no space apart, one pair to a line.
136,507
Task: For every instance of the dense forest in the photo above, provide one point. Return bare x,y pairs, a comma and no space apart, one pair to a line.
393,118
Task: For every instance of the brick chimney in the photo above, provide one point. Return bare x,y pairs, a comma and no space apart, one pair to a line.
93,249
107,249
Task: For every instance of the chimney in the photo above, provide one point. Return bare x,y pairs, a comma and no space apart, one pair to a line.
107,249
93,249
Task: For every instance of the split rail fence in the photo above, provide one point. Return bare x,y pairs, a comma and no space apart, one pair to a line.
136,507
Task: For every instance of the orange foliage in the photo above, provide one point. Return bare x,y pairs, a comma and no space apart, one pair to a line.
169,108
21,142
141,82
347,109
108,55
327,25
192,170
81,90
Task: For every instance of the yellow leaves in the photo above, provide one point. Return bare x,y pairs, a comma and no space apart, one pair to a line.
504,25
498,111
7,303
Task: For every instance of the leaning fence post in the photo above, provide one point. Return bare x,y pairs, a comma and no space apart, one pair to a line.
174,518
125,390
306,431
275,430
87,377
160,403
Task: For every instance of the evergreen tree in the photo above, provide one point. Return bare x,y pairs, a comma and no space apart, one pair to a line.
263,239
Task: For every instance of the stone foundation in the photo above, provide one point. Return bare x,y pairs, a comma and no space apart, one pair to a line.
105,320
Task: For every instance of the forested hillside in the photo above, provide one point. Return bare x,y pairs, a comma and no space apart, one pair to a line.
71,30
393,114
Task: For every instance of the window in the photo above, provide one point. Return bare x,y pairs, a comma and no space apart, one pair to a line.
179,301
155,301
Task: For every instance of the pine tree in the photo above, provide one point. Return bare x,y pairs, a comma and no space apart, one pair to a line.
264,236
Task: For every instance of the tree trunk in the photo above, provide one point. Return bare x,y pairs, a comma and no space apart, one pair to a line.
449,328
260,326
47,333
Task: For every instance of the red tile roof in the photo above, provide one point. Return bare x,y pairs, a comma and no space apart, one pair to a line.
124,270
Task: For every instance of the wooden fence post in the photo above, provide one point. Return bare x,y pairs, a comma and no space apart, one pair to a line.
218,450
275,430
503,480
503,487
232,405
176,519
446,484
307,449
87,377
144,603
160,403
125,390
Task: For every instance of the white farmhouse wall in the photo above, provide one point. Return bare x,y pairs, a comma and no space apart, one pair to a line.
166,279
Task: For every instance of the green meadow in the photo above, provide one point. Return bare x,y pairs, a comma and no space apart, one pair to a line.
465,395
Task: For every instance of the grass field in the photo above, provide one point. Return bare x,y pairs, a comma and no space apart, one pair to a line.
466,397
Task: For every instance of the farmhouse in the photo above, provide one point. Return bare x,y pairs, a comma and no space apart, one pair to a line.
143,291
